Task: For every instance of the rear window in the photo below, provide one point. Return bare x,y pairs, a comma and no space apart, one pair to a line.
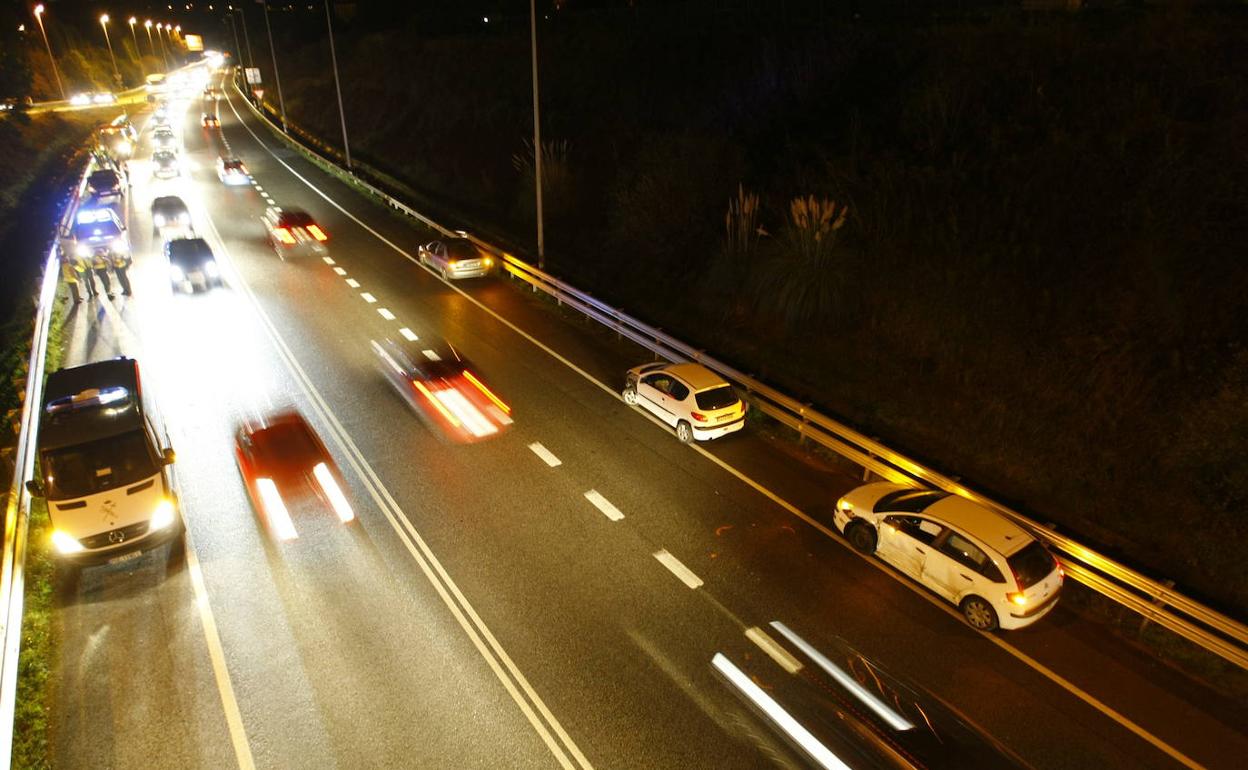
296,219
189,247
720,397
909,500
103,180
1032,564
462,250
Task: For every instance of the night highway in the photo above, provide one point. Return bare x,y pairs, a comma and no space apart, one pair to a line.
551,596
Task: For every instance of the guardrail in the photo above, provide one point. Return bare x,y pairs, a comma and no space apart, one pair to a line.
17,511
1156,601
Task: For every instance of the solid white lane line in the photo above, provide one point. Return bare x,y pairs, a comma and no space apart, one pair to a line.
432,355
781,656
386,314
679,570
233,716
545,454
369,298
340,271
408,334
354,284
604,505
329,260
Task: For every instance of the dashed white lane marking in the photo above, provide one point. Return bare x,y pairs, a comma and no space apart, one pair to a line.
369,298
408,334
329,260
781,656
386,314
545,454
432,355
354,284
604,505
340,271
679,570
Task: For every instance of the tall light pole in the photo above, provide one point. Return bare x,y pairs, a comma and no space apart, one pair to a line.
138,57
44,32
333,57
537,139
251,60
238,49
113,59
148,26
276,77
161,40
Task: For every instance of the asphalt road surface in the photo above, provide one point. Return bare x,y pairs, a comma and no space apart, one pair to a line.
488,611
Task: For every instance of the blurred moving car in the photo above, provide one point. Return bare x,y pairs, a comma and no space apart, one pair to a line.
165,164
695,401
456,258
160,117
192,265
170,218
210,121
840,708
444,390
232,171
104,186
293,232
285,466
117,139
996,573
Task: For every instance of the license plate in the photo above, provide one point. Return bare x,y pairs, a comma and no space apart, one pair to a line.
125,557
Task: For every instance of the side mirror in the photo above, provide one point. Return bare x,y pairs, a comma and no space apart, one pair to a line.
34,487
169,456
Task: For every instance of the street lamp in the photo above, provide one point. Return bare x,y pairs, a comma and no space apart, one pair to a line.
148,26
104,26
44,32
537,140
333,57
138,57
163,57
276,77
251,60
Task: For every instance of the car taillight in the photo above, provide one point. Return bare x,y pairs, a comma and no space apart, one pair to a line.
283,235
317,233
698,416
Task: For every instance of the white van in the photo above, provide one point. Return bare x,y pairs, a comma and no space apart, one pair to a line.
105,474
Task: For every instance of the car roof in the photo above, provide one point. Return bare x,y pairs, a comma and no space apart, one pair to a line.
986,525
187,247
696,375
166,201
73,427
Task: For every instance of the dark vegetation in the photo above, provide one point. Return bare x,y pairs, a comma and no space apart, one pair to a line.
1010,242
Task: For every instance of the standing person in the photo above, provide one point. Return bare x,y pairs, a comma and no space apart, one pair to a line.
70,276
121,263
83,268
99,263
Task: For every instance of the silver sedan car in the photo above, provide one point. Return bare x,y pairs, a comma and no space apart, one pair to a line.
456,258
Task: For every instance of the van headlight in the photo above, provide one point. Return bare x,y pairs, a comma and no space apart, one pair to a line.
211,269
65,542
159,220
184,218
162,517
175,274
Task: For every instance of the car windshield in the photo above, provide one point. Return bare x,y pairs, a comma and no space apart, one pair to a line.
164,157
461,249
104,180
233,165
98,230
719,397
909,500
1032,564
98,466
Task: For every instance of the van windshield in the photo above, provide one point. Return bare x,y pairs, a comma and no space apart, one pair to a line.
98,466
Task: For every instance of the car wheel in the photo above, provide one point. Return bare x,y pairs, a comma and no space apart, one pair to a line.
862,537
446,274
630,396
979,613
684,432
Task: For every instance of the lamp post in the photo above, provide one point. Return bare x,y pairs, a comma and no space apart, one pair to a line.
276,77
44,32
138,57
113,59
163,57
537,140
333,57
251,60
148,26
238,49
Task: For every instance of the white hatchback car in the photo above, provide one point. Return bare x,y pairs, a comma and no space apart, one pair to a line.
695,401
997,574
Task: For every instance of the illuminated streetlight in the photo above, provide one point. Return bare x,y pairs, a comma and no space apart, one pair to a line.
55,74
276,77
104,26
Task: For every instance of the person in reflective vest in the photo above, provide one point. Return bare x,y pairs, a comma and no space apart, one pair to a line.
99,263
121,263
70,276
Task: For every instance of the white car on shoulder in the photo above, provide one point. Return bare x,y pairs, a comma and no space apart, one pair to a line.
996,573
695,401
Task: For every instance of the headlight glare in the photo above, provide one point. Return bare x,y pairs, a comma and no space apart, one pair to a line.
162,517
176,274
83,250
65,543
210,268
159,220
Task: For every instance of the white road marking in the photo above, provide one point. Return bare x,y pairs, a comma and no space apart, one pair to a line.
340,271
408,334
679,570
259,188
545,454
604,505
781,656
432,355
233,716
386,314
369,298
354,284
329,260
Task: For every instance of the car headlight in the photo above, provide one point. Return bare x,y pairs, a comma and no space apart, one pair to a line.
846,507
162,517
176,274
184,218
211,269
65,542
83,250
159,220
